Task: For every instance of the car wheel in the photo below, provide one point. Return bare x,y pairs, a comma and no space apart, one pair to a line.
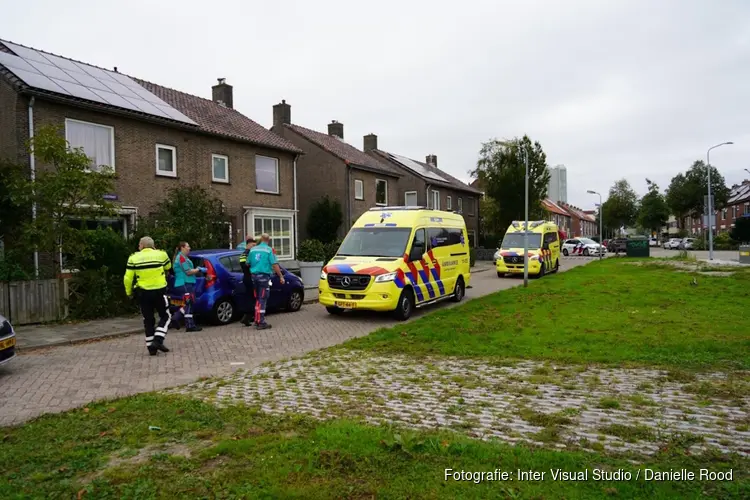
565,252
295,300
223,312
405,305
585,252
460,290
334,310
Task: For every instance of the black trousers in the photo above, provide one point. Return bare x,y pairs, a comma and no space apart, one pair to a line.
248,298
155,301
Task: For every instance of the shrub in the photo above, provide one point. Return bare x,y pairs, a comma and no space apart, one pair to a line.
98,293
106,248
741,230
490,240
325,219
331,249
472,257
723,241
311,251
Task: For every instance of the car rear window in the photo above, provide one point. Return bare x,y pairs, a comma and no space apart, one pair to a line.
197,261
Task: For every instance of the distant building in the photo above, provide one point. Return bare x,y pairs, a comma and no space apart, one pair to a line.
557,189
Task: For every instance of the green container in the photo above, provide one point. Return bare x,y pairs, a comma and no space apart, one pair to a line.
637,247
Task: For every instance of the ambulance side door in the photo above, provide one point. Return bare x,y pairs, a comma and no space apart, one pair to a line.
443,271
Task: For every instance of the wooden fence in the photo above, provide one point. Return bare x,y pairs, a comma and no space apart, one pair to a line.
38,301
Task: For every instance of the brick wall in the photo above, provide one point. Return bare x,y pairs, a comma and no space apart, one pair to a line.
135,162
14,129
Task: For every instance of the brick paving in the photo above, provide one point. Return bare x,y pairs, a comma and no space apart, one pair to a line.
61,378
634,410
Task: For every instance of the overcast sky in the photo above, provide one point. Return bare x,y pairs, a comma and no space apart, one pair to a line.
611,88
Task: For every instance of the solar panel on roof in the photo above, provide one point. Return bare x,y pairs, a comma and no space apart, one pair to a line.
417,168
63,76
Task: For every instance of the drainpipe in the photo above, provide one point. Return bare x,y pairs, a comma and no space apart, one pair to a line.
32,167
427,196
296,214
348,196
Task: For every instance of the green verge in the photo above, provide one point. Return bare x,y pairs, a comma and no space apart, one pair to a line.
610,312
200,451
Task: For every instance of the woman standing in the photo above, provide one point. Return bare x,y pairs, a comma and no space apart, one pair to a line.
184,284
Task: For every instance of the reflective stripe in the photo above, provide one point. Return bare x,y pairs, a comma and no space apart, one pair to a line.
188,315
160,334
149,339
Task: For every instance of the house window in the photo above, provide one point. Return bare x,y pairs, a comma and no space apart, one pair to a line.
448,205
734,212
359,189
435,200
470,202
381,192
747,208
219,168
410,199
279,228
266,174
460,205
97,141
166,160
724,214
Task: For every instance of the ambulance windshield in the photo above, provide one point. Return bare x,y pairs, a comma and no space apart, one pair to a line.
515,240
375,242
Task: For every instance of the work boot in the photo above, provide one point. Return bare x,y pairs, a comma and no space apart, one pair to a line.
264,326
246,320
194,328
159,344
152,351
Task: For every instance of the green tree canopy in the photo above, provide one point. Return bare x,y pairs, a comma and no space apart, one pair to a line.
325,219
501,171
685,195
741,230
653,212
621,207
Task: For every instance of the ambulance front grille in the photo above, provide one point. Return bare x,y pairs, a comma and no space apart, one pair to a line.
513,260
348,281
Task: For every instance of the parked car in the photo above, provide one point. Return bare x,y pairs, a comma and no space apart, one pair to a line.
687,244
589,247
672,244
653,242
215,293
617,245
7,341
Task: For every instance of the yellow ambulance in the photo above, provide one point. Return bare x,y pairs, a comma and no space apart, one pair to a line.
543,247
398,258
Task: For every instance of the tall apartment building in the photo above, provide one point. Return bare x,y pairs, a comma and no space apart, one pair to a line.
557,190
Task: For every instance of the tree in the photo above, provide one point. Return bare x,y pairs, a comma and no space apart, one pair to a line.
621,207
501,171
741,230
325,219
189,214
653,213
65,189
685,196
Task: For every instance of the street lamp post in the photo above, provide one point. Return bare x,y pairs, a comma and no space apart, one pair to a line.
748,171
526,222
601,223
710,210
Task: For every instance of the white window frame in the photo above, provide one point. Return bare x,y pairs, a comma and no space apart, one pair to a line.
162,173
111,136
407,193
435,206
226,168
386,192
277,175
359,183
448,203
262,213
460,205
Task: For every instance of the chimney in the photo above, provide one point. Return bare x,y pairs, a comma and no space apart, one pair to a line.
431,160
222,93
282,115
336,129
371,143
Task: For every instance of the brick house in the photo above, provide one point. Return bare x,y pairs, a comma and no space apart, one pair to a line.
581,224
558,215
424,184
738,205
335,168
155,138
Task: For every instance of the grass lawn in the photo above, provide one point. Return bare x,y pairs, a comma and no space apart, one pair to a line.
107,451
610,312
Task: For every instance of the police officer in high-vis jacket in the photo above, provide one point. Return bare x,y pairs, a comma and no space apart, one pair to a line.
147,270
247,302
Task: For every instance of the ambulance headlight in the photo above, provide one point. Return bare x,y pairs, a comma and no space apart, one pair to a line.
323,275
383,278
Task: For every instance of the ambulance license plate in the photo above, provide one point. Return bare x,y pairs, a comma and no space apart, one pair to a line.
7,343
178,303
346,305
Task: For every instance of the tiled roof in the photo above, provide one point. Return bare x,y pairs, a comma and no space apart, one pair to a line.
553,207
344,150
211,117
214,118
450,181
578,213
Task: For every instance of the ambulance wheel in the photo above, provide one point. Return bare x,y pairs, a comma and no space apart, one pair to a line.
334,310
541,272
565,252
460,290
500,275
557,266
405,305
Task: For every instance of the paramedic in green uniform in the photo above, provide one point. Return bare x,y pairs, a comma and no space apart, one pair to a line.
262,263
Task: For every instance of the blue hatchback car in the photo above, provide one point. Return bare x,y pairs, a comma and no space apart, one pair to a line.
217,293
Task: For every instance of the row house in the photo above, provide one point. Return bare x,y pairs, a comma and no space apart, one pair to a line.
582,224
155,138
362,179
738,205
555,213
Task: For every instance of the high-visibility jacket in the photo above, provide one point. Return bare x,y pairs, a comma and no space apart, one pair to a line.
243,263
148,269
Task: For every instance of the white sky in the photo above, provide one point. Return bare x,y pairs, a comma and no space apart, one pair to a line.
611,88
